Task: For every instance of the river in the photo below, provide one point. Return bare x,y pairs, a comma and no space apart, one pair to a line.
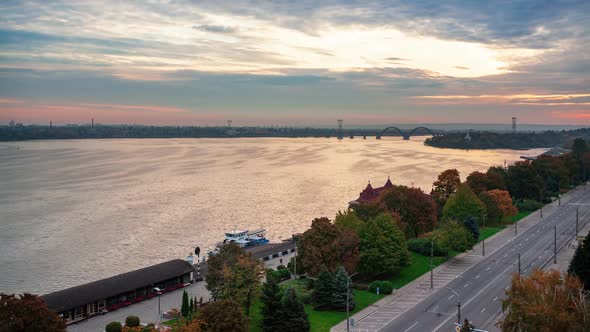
74,211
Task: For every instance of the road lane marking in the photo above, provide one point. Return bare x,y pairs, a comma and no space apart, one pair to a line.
495,298
411,327
467,284
450,297
477,276
435,308
482,310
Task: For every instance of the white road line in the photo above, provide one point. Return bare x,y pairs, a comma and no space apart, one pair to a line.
477,276
467,284
435,308
482,310
450,297
411,327
495,298
488,268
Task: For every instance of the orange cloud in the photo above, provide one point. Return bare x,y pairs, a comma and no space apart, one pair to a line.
520,99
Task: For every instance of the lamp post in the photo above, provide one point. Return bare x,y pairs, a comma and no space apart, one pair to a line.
577,219
431,262
459,312
483,241
518,264
555,244
159,291
347,302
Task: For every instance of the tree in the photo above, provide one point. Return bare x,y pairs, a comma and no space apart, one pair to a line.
223,315
471,225
321,297
579,147
383,248
132,321
194,325
545,302
493,212
477,181
191,306
367,211
417,210
580,264
295,318
524,182
463,204
325,244
503,202
496,178
342,291
113,327
453,236
553,171
349,220
28,312
446,184
184,308
272,306
234,274
467,326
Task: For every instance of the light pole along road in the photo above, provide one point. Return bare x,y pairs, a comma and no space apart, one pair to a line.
482,287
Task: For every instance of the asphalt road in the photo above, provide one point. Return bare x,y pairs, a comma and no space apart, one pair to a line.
481,288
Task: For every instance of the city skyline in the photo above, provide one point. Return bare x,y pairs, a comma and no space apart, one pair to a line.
269,63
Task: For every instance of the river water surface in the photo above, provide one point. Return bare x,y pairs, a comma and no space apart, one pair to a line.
74,211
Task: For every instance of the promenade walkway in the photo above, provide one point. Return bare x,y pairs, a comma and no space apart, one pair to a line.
376,316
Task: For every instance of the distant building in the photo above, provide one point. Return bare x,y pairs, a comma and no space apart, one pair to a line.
370,194
467,137
11,123
513,124
555,152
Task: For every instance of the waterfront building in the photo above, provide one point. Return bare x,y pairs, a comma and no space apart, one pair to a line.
370,194
81,302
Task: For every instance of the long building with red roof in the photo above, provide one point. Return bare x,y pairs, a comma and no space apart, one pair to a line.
370,194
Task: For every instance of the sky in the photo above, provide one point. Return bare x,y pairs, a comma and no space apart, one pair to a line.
295,63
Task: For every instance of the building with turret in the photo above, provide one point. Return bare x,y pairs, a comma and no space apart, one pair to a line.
370,194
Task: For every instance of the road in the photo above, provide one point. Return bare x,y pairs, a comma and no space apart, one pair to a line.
481,288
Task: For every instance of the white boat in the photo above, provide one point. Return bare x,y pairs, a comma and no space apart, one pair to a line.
244,239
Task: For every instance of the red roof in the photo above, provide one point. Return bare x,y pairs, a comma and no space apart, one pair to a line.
371,194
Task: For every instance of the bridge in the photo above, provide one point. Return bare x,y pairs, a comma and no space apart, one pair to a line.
405,134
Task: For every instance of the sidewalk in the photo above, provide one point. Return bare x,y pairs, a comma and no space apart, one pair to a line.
379,314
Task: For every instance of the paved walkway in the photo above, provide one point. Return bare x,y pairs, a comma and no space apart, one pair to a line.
147,310
387,309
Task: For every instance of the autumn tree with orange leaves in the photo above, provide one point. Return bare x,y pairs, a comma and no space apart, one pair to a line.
503,202
545,302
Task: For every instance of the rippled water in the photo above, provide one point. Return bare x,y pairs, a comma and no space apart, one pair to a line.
74,211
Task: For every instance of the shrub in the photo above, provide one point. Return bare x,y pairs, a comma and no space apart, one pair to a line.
281,267
528,205
114,327
386,287
374,285
284,273
132,321
422,246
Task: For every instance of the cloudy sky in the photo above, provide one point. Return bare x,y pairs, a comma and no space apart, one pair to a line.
295,62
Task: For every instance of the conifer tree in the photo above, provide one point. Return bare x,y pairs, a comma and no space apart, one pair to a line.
580,264
321,297
272,306
191,306
184,308
295,318
472,227
341,288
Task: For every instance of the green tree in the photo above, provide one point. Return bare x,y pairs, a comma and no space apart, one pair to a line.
349,220
321,297
132,321
113,327
184,308
477,181
295,318
445,185
341,289
453,236
191,305
272,307
234,274
472,227
28,312
383,248
524,182
463,204
579,147
222,316
580,264
553,171
493,212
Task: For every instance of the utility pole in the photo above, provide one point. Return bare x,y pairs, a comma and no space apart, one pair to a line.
518,264
459,312
347,301
516,227
483,241
555,244
577,215
431,263
541,212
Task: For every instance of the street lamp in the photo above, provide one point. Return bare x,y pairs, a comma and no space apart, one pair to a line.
483,241
159,291
347,302
431,263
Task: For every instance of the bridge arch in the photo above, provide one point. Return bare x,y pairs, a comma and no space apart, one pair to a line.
395,128
417,128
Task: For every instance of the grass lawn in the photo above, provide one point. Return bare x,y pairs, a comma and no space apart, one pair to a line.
171,322
519,215
419,265
487,232
320,321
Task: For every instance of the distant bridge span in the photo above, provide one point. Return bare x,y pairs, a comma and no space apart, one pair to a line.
405,135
